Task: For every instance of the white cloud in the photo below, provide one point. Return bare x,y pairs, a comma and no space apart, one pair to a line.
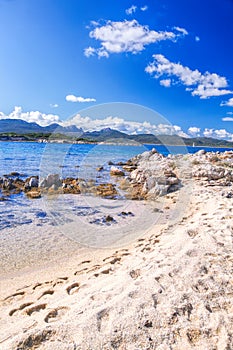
227,119
144,8
181,30
197,38
55,105
221,133
230,113
208,132
127,36
165,82
129,127
218,133
202,85
227,103
31,117
117,123
72,98
131,10
89,51
194,131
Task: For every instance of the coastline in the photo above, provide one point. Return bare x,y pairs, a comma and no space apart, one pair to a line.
61,141
171,287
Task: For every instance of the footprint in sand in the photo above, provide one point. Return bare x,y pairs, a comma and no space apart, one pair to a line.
46,292
60,280
35,308
85,262
73,288
80,271
102,316
103,272
56,314
139,245
23,306
14,297
94,268
112,260
39,285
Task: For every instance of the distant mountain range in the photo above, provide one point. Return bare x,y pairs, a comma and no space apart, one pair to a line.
20,128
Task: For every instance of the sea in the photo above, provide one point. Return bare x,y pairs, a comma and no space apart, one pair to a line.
81,218
75,160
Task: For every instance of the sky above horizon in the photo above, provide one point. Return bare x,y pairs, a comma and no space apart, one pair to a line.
174,57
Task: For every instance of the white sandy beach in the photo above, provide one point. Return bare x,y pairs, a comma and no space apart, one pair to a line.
170,288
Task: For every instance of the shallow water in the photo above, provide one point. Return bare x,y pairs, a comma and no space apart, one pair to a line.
30,158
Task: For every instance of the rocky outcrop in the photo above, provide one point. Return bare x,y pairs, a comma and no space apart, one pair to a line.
146,176
154,176
71,185
51,180
215,169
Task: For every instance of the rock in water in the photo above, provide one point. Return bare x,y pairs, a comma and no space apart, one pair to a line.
33,194
33,182
50,180
114,171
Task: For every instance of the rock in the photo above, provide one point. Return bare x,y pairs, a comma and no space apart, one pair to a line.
172,181
33,194
109,218
43,183
114,171
106,190
14,173
100,168
124,184
71,185
50,180
201,152
129,168
135,192
34,182
158,191
149,184
8,184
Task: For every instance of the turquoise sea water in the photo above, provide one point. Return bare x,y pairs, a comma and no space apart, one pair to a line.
78,160
73,160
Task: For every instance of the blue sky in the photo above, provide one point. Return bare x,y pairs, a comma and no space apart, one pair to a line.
175,57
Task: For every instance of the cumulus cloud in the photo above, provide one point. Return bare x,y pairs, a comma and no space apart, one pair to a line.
194,131
89,51
227,119
31,117
218,133
131,10
72,98
117,123
197,38
230,113
204,85
129,127
227,103
165,82
127,36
